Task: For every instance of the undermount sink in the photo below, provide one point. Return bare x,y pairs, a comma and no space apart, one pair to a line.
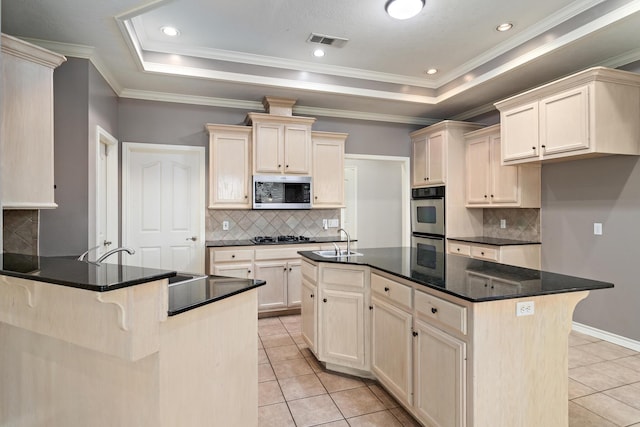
182,278
333,254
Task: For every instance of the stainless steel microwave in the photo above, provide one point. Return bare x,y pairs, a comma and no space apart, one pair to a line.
281,192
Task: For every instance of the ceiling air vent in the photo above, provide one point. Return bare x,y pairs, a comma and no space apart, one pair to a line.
327,40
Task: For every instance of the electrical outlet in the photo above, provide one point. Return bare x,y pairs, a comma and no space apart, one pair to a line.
325,224
597,228
525,308
225,225
503,223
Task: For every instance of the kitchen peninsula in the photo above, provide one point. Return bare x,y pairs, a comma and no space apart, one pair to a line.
457,341
108,344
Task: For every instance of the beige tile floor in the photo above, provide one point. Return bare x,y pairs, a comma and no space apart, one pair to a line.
295,390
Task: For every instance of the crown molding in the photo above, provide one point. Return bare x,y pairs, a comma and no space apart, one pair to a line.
259,107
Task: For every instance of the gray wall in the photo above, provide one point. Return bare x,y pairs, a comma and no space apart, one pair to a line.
575,195
82,100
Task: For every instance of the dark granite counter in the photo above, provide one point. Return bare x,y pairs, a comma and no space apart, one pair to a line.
189,295
470,279
493,241
225,243
69,272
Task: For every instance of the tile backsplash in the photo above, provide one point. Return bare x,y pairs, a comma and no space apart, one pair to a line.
522,224
20,231
245,224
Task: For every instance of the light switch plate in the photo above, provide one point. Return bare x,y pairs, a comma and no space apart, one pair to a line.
597,228
503,223
225,225
333,223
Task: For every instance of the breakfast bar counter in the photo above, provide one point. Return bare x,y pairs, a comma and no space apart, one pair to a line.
107,344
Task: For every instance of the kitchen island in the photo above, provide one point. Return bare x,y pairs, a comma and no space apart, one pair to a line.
107,344
457,341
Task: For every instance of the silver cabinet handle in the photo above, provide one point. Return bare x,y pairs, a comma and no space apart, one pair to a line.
193,239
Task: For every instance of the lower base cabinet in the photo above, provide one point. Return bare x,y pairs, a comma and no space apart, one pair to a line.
309,309
342,340
440,376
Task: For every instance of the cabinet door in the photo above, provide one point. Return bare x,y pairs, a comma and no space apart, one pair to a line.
504,179
268,148
478,171
274,293
419,162
294,283
440,377
242,271
297,146
564,122
436,161
391,354
341,335
519,130
328,173
308,313
229,169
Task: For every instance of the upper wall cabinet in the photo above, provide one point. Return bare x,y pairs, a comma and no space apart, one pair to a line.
229,167
591,113
27,125
328,169
493,185
430,155
281,144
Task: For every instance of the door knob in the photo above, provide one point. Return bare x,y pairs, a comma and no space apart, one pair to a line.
106,243
193,238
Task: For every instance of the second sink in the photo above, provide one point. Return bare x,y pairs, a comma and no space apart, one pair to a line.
333,254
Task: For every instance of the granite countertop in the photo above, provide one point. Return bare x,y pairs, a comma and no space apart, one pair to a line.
496,241
470,279
225,243
189,295
67,271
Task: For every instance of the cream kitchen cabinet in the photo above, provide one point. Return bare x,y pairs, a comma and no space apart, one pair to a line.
591,113
280,267
26,130
231,262
328,169
391,336
309,304
229,167
343,325
435,150
525,255
489,183
281,144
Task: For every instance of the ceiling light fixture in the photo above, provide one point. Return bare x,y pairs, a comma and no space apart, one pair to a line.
318,53
431,71
404,9
170,31
504,27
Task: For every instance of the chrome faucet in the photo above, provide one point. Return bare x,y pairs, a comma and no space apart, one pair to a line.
113,251
337,248
84,255
348,240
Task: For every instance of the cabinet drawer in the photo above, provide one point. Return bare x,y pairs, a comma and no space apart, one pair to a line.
288,252
342,277
444,312
309,271
232,255
483,252
392,291
459,248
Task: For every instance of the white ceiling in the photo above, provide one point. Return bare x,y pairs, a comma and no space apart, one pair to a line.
234,52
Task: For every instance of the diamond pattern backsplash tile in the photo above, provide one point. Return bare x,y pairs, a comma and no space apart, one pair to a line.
20,231
245,224
522,224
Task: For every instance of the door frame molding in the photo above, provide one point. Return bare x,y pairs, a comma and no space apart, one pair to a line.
129,147
406,188
103,137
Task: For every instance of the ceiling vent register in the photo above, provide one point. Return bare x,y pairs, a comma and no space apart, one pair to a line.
327,40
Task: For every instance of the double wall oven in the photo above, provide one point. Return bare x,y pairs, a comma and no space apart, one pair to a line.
427,222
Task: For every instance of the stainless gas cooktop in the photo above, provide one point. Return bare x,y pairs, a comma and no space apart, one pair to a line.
275,240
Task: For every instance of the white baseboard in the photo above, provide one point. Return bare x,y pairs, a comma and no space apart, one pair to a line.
607,336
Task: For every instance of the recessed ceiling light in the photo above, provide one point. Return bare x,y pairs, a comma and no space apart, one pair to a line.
170,31
431,71
504,26
404,9
318,53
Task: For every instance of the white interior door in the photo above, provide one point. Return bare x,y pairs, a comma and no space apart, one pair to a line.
106,193
349,214
163,206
